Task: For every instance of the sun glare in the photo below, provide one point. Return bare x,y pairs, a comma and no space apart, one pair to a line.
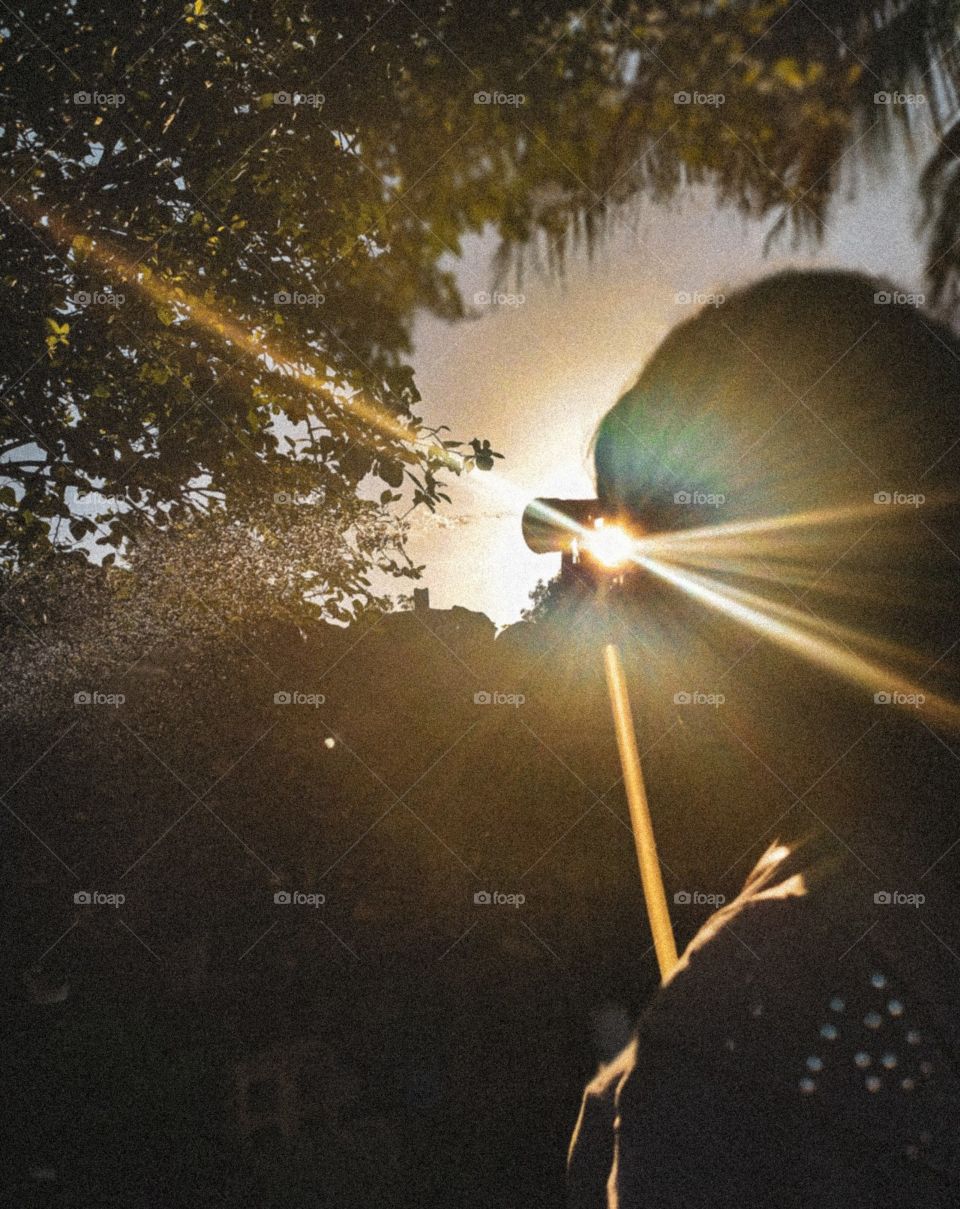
610,545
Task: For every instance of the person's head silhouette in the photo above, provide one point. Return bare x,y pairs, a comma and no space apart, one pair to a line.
805,1049
830,396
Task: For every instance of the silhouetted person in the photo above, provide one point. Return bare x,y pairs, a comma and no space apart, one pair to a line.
806,1051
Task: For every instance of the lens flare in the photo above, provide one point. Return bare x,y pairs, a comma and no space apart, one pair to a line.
357,411
761,617
742,546
610,545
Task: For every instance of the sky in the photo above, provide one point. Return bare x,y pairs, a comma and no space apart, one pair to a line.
534,373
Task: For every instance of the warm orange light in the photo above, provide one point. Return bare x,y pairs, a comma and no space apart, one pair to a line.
610,545
650,876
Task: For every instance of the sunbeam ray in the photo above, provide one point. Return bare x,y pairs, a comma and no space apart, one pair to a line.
216,322
760,616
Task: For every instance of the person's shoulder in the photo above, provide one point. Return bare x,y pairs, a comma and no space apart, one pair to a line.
800,908
793,1019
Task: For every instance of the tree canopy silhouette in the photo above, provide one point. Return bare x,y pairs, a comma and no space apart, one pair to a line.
221,217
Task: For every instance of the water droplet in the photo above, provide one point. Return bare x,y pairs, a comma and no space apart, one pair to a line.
895,1007
908,1084
872,1083
878,981
889,1061
807,1087
913,1037
730,1044
756,1010
873,1020
814,1063
837,1004
862,1059
828,1032
926,1068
